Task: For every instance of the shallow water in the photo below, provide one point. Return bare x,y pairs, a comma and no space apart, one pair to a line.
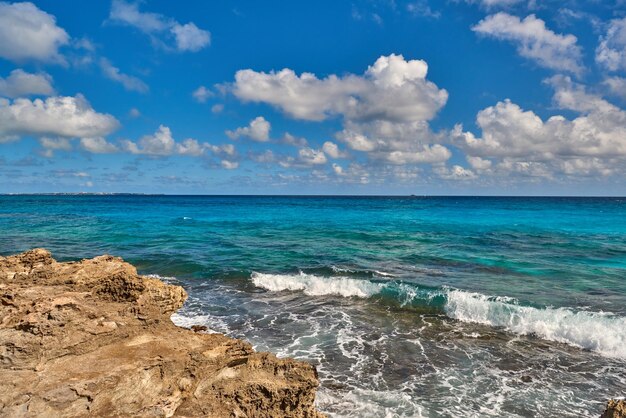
408,306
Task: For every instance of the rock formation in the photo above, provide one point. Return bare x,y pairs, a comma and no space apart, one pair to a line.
95,338
615,409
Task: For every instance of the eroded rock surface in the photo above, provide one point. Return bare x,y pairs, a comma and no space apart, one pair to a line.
94,338
615,409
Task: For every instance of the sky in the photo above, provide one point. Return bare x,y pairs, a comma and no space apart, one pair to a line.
424,97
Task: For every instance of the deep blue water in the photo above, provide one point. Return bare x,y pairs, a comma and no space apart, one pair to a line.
408,306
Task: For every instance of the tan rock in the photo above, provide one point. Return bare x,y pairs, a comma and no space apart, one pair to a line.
615,408
94,338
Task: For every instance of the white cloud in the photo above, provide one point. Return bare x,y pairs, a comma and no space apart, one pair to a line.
129,82
190,38
395,143
128,13
258,130
391,89
338,169
421,8
456,172
160,143
357,141
229,165
222,150
20,83
520,141
386,110
217,108
295,141
616,86
202,94
534,41
310,156
97,145
134,113
427,154
190,147
611,52
332,150
163,144
28,33
478,163
186,37
51,145
70,117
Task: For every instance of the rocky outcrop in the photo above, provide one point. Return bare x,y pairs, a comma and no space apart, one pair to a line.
94,338
615,408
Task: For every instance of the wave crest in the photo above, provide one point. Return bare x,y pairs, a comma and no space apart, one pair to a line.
315,285
601,332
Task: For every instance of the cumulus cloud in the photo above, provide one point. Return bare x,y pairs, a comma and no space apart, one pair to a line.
295,141
310,156
534,41
229,165
337,169
69,117
258,130
395,143
190,38
159,143
385,112
20,83
128,81
97,145
224,150
518,140
202,94
186,37
611,52
163,144
332,150
391,89
28,33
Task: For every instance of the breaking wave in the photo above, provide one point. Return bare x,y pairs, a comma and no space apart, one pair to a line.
601,332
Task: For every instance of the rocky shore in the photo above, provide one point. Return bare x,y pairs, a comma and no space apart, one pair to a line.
615,408
95,338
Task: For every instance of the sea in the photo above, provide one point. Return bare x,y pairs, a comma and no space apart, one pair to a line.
408,306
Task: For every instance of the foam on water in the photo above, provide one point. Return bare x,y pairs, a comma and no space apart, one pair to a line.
597,331
315,285
601,332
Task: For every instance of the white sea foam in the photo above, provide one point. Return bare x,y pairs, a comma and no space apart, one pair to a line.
315,285
596,331
165,279
603,333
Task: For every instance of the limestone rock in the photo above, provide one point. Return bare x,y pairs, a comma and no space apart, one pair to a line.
615,408
94,338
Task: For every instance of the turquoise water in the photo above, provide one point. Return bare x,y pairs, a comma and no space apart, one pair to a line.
407,306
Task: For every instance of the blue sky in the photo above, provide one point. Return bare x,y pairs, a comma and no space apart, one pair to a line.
362,97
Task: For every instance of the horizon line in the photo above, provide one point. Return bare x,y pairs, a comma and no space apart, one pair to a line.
299,195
